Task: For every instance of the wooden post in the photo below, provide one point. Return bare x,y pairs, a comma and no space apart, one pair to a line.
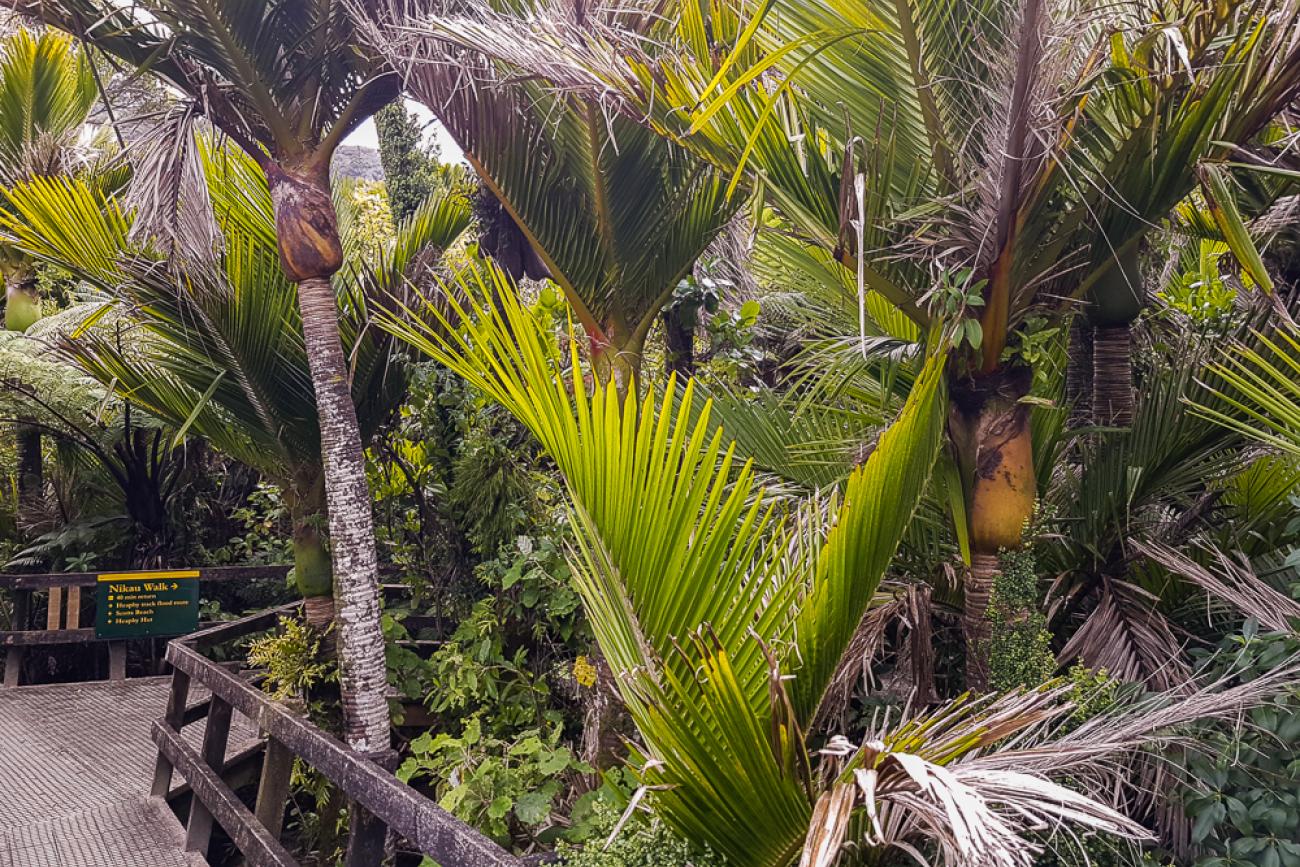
117,660
14,656
174,719
367,833
198,831
273,788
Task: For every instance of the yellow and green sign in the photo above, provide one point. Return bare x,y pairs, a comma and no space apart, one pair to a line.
144,604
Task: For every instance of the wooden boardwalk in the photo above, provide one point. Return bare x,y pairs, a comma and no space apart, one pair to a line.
76,762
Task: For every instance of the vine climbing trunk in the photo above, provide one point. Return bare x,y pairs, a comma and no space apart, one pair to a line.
990,430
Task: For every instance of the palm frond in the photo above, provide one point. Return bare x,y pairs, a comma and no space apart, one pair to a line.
46,93
704,597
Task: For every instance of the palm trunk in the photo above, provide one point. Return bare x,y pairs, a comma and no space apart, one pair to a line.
975,624
307,232
1112,376
1078,374
679,340
990,428
363,674
31,474
22,310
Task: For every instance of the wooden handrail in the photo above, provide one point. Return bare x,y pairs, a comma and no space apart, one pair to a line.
422,823
45,581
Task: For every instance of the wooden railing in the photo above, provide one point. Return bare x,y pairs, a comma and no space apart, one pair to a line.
387,804
63,613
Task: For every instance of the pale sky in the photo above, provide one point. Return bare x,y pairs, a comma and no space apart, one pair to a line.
365,136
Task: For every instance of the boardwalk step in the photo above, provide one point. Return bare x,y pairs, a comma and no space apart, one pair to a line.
135,832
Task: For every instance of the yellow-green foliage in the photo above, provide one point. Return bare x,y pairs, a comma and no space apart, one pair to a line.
292,660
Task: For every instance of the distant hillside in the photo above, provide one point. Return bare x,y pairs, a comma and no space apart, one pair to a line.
354,161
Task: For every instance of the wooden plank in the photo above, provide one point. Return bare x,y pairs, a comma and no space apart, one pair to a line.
367,838
177,697
273,788
13,666
38,637
220,633
54,613
198,831
432,830
73,609
116,660
239,769
43,581
252,840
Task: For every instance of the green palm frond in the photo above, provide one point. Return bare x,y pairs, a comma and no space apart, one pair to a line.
1258,390
703,592
724,614
617,215
281,77
219,351
46,92
801,97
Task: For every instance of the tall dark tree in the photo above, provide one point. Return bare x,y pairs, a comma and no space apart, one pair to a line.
410,165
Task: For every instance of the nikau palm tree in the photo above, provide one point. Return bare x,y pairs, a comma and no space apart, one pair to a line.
1011,154
725,615
219,351
287,83
611,212
46,93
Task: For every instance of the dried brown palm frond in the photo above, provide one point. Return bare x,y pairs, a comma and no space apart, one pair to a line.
919,781
169,192
1128,637
570,46
1231,580
910,607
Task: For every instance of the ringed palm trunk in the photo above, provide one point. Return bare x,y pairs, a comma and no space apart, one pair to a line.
1112,375
1079,374
310,250
1114,304
990,430
22,310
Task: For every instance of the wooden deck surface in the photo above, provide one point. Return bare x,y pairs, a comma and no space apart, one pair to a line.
76,763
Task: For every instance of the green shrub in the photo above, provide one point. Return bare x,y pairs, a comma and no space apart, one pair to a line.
1245,806
642,842
509,789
